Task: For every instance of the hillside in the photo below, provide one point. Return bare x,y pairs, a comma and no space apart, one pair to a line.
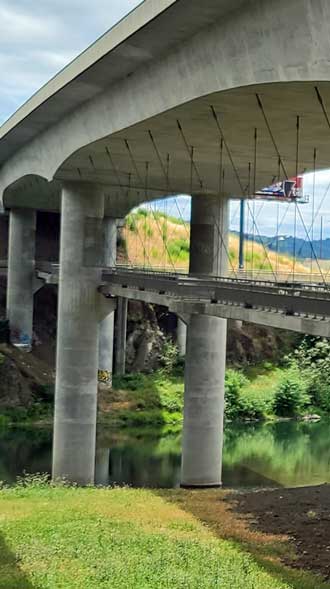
154,240
305,249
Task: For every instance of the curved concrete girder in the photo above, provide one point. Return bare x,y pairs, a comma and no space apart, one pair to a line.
33,191
262,42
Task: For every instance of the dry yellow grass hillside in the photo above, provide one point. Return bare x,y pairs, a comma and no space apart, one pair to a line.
160,242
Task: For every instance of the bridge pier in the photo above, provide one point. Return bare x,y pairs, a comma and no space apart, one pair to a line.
206,352
121,332
77,334
21,276
107,325
181,337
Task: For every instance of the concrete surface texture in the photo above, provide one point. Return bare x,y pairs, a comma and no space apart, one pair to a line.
171,60
205,357
21,276
121,333
78,332
181,337
106,328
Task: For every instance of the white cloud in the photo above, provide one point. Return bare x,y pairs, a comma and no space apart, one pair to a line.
19,27
39,39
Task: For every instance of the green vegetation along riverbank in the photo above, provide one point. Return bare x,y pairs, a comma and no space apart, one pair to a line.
297,388
68,538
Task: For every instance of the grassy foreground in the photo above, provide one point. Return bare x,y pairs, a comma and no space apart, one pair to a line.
69,538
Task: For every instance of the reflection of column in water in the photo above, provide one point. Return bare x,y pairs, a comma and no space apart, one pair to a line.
119,469
102,466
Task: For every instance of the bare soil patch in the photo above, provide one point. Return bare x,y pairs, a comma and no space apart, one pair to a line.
302,515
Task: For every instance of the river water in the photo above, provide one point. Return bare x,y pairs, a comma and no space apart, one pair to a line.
281,454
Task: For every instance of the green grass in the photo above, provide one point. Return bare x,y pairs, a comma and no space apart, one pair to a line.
70,538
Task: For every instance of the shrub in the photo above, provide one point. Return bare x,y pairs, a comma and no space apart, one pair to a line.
179,249
312,358
318,379
131,223
132,382
291,397
234,382
252,407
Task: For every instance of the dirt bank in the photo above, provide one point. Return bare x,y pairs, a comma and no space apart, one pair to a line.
301,515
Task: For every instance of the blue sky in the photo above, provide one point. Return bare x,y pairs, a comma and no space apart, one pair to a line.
37,39
266,213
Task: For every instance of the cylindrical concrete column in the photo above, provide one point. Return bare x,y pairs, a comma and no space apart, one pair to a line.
106,333
181,337
121,331
209,236
206,352
204,401
77,334
21,276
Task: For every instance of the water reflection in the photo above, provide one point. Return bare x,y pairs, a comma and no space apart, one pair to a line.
255,455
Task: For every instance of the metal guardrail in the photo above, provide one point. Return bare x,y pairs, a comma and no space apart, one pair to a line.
287,298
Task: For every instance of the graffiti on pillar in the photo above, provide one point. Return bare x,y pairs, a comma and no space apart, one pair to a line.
105,377
20,338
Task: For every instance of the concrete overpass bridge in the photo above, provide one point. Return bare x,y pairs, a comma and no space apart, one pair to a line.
214,101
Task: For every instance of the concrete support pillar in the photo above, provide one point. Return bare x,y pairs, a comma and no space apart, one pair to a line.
121,331
77,334
106,333
21,276
181,337
209,236
206,352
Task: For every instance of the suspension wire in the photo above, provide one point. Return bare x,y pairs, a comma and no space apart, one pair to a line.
145,218
192,161
324,110
220,233
278,220
271,134
248,218
255,159
286,176
165,171
313,220
217,122
191,171
313,203
166,175
220,179
223,242
190,191
295,202
165,224
115,171
136,236
141,183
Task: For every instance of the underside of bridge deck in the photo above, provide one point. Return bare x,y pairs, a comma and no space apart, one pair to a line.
214,101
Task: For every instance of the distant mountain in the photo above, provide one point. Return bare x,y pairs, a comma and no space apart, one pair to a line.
285,245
